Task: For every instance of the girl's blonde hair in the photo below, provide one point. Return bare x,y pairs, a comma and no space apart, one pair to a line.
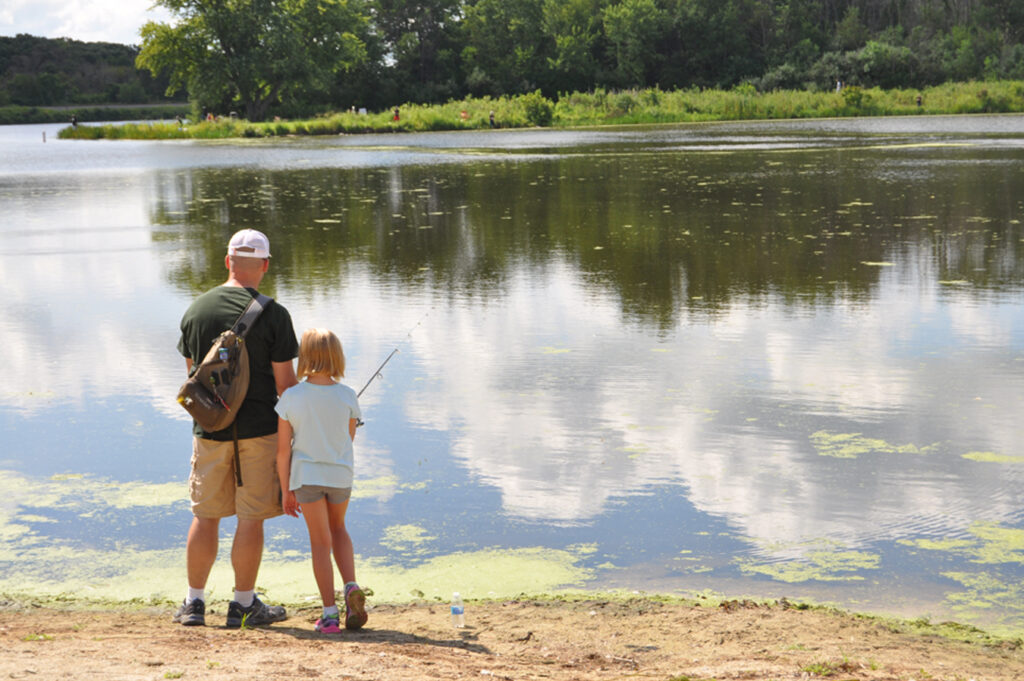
320,353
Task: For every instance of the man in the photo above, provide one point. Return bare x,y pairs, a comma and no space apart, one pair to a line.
213,483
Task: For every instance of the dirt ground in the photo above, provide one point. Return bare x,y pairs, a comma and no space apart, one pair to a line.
570,640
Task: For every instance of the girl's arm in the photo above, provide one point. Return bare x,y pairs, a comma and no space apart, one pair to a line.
352,423
284,467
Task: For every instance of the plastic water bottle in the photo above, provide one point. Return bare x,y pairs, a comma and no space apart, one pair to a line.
458,611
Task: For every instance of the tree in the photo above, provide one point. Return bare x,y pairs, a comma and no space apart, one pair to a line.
634,28
506,48
577,31
851,33
418,35
250,53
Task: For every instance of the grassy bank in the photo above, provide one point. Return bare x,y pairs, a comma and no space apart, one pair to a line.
600,108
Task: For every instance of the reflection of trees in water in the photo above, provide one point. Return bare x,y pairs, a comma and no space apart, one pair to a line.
662,232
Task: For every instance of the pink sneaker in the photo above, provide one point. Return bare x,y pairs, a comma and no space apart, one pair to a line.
328,625
355,607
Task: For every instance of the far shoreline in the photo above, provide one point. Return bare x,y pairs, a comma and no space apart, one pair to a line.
599,109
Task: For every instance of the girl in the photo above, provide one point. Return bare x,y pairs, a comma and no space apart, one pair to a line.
315,431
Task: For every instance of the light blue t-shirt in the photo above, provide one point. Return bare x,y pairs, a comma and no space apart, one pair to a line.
321,444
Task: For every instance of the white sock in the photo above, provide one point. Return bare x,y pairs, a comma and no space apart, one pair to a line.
331,610
194,594
245,598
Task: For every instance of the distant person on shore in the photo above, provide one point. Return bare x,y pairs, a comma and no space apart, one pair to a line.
315,431
919,101
395,117
492,120
234,469
74,121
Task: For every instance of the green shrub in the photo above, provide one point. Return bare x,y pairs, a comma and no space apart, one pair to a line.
623,103
855,97
539,109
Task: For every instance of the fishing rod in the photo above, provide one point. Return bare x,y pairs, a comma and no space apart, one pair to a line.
360,422
388,359
377,372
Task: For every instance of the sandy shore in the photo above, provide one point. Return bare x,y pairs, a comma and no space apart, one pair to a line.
546,639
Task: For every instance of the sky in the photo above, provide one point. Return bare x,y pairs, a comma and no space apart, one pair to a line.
113,21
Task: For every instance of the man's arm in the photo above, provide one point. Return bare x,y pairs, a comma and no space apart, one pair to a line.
188,365
284,375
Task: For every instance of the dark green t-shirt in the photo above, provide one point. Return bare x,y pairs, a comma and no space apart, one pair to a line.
271,339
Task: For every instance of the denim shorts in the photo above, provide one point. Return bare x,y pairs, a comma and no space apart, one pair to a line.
307,494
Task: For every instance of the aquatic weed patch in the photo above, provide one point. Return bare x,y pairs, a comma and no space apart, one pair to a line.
853,445
989,592
992,544
406,538
992,457
994,593
825,562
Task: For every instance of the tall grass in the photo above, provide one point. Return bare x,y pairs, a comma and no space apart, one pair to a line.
600,107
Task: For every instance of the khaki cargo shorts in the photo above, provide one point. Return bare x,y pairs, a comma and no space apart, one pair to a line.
212,484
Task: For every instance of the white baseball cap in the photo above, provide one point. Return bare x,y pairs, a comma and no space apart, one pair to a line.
249,243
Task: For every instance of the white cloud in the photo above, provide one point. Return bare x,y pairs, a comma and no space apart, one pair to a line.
114,21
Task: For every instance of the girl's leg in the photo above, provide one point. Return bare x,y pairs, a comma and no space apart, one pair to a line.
320,543
355,599
341,543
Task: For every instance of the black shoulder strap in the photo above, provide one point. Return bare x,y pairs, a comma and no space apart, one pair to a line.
252,311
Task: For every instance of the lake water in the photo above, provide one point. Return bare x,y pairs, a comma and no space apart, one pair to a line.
753,359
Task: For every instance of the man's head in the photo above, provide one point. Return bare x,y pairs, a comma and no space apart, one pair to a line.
248,256
249,243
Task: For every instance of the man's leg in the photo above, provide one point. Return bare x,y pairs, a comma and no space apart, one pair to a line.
200,554
258,499
212,491
201,550
246,553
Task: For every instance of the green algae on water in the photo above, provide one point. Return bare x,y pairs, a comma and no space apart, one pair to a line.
989,596
822,560
406,538
853,445
822,566
489,573
84,493
382,487
992,457
130,574
992,544
987,593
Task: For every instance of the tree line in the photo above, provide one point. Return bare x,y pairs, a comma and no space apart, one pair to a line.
38,71
295,57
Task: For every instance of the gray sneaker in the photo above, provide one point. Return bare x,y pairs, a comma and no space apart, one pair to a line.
191,614
257,614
